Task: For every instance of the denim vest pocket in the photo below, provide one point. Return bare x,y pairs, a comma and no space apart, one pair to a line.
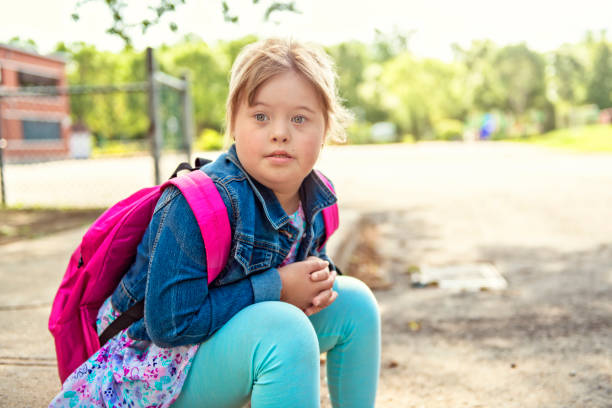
253,258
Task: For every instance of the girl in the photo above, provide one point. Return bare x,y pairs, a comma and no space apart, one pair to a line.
257,331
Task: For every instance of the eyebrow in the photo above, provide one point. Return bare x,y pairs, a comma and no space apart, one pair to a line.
304,107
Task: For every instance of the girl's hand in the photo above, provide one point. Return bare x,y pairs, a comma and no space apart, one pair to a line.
326,297
297,286
321,274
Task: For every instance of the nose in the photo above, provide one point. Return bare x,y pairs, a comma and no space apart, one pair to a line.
279,133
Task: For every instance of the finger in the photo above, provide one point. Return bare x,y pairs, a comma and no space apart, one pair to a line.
331,278
311,310
316,309
326,284
316,263
333,296
322,298
320,275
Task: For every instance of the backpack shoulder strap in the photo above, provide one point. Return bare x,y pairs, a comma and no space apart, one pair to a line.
330,214
211,214
207,205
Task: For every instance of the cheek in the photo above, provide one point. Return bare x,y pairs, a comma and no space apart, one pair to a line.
312,145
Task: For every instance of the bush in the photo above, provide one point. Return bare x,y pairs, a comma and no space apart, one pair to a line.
359,133
120,148
209,139
408,138
448,129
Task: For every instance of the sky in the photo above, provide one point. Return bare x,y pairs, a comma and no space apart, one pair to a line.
434,24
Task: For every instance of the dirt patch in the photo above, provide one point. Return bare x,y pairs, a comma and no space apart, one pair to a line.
18,224
492,348
365,261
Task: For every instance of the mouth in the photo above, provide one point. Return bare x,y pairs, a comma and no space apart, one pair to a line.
280,154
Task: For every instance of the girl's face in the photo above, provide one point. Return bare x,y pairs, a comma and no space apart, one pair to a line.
279,137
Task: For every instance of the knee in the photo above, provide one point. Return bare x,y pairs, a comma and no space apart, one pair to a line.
357,298
288,328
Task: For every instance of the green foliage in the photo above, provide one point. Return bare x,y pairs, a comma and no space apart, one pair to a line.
231,49
209,139
120,148
359,133
528,92
448,129
419,93
520,72
351,59
511,78
599,89
27,44
207,69
108,116
157,11
569,69
408,138
592,138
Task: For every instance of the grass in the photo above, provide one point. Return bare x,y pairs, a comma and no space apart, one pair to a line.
588,139
120,148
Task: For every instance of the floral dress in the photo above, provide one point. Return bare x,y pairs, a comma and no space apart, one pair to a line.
137,373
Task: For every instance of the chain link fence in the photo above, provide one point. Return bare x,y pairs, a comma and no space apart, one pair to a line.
49,157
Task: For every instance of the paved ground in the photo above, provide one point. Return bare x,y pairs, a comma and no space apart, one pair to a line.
544,218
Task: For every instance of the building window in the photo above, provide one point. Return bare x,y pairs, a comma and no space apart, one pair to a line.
27,79
38,130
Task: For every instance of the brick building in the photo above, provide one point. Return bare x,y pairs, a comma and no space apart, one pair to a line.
35,127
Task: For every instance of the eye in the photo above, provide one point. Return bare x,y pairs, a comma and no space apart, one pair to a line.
260,117
299,119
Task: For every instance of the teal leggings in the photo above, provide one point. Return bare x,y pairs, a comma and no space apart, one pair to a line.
269,352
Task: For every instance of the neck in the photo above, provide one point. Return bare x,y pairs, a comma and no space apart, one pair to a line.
289,201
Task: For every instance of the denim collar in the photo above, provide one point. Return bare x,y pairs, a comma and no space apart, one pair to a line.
314,194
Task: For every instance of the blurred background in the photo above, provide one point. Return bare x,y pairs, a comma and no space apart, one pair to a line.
75,87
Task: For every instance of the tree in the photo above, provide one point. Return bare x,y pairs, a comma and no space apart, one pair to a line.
159,9
482,87
26,44
208,72
351,59
108,116
569,71
599,90
389,46
420,93
521,74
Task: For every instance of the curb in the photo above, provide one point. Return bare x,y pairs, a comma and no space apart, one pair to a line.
342,243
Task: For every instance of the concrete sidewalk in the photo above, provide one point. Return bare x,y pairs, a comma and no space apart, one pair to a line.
30,272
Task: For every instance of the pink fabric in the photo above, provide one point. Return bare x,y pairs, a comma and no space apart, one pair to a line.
330,214
215,219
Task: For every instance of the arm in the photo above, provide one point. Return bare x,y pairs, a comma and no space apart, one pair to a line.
179,307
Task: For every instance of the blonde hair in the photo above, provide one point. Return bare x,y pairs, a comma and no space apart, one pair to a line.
260,61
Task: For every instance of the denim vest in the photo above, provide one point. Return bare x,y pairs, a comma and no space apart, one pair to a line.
169,270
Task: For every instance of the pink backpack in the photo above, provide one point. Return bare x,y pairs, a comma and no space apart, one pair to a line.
108,249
